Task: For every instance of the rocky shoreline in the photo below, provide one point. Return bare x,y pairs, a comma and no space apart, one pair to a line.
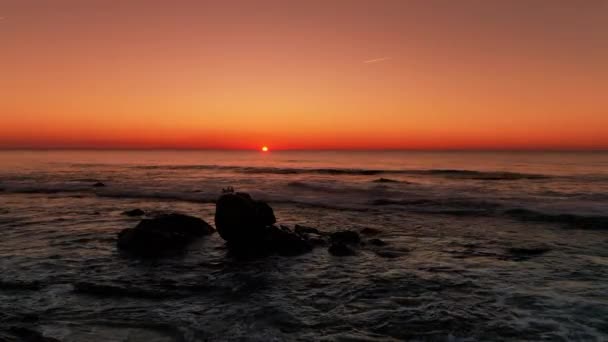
249,229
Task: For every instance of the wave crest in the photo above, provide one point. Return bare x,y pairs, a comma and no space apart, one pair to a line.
450,173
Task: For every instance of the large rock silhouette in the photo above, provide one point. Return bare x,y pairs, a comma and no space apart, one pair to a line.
239,218
248,228
162,234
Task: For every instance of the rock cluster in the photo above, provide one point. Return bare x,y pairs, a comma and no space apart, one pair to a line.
248,227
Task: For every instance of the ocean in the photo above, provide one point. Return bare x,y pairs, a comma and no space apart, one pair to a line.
480,246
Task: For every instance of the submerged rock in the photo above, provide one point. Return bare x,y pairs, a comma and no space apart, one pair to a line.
306,230
312,235
134,212
389,254
370,231
272,241
27,335
99,185
286,243
525,253
154,237
345,237
385,180
340,249
377,242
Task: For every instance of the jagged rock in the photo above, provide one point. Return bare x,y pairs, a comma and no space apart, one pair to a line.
169,232
134,212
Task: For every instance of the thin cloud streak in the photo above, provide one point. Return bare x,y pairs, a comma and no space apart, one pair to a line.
377,60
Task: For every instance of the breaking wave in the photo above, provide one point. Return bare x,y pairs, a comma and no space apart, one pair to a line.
573,220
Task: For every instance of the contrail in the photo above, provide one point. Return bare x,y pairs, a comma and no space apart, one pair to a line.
376,60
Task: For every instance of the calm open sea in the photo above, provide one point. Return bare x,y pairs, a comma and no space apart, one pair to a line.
482,246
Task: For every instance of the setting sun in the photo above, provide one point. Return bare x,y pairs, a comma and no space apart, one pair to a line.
407,135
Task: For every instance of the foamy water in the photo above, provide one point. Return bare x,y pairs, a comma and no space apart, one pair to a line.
482,246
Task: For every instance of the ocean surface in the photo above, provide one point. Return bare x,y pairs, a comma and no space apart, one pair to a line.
481,246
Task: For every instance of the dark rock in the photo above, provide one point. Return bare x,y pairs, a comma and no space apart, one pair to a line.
377,242
265,214
370,231
385,180
389,254
134,212
286,243
154,237
240,219
272,240
29,335
316,241
285,228
522,254
345,237
306,230
20,285
98,185
248,228
340,249
106,290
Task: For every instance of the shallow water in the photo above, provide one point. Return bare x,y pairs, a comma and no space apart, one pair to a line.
481,246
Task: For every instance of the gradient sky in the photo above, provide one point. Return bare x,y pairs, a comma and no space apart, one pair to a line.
304,74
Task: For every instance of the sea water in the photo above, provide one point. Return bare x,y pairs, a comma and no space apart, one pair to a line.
480,246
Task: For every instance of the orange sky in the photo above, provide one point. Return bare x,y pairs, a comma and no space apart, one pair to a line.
304,74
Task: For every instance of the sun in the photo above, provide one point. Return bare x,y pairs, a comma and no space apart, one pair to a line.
264,148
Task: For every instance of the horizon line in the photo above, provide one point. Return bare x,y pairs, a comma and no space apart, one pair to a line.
177,149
